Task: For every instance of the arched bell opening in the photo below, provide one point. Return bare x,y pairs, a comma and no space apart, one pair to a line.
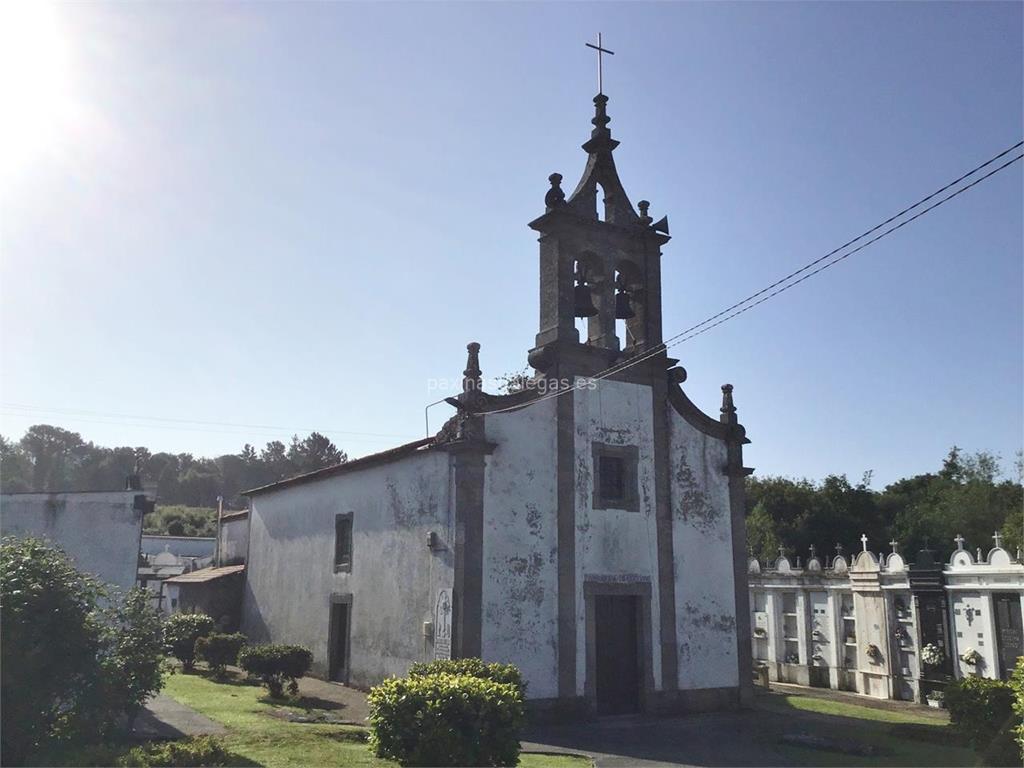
629,308
588,276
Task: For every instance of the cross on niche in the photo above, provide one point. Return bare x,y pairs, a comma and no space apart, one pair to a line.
998,539
893,544
864,541
813,550
600,70
782,551
959,542
839,549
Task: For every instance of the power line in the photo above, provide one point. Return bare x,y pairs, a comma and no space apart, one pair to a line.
707,324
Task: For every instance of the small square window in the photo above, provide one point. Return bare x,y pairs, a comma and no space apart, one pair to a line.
615,480
612,474
343,542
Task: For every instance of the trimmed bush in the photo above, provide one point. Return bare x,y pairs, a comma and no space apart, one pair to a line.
201,751
446,720
181,630
498,673
219,650
980,708
277,666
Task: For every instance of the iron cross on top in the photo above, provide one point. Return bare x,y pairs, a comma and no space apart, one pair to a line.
600,73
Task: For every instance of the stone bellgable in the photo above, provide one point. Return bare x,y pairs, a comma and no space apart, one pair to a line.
587,527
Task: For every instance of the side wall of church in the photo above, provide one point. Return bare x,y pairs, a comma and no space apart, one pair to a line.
520,547
394,578
614,545
702,546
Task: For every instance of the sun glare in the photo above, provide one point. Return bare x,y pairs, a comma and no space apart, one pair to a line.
35,82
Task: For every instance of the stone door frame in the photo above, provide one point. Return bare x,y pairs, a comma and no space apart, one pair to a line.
645,658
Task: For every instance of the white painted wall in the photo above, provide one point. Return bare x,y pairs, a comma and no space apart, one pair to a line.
100,531
702,540
612,542
234,540
394,577
520,548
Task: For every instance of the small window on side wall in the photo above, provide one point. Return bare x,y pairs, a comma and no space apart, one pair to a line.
615,481
343,542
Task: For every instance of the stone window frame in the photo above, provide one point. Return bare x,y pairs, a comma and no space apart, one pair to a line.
630,455
344,566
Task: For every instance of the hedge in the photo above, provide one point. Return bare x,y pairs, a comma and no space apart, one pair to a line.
219,650
277,666
181,631
446,720
982,710
498,673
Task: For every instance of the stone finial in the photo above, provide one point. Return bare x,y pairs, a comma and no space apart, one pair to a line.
728,408
645,219
977,555
798,561
555,197
471,377
959,543
601,118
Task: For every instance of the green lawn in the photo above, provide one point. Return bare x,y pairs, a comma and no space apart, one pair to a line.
257,736
899,737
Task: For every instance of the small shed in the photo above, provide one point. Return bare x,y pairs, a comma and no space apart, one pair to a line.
217,592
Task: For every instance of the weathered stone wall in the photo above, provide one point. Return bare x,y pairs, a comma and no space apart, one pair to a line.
613,544
234,540
394,577
520,548
702,545
100,531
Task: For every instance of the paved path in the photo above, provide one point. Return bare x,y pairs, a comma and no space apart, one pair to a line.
164,718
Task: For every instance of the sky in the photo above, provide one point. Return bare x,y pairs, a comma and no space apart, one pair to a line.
229,222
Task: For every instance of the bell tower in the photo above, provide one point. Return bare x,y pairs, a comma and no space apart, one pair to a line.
600,260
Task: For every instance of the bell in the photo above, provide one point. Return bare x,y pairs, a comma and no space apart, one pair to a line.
583,303
623,307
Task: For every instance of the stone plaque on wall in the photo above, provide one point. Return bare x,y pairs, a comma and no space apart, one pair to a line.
761,621
443,625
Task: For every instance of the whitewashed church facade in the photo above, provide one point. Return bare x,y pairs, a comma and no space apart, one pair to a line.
591,533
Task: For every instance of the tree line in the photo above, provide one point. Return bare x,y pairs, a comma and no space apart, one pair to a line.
49,458
967,496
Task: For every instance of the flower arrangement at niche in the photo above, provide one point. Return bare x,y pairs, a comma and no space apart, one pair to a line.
760,632
872,651
970,657
902,636
792,658
932,655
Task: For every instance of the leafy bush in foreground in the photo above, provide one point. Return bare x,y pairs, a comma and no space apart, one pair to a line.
200,752
982,710
446,720
276,666
76,656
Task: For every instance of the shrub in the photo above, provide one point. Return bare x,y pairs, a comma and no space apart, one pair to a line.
446,720
199,751
1017,686
498,673
219,650
70,668
980,708
181,630
276,666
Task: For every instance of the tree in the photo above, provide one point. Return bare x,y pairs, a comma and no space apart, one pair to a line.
49,450
313,453
75,656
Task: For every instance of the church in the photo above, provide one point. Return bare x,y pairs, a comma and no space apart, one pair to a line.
587,527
